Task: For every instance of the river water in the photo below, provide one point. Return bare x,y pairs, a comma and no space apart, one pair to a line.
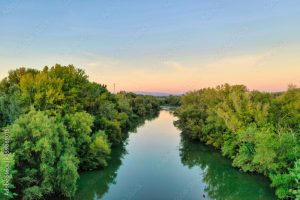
156,163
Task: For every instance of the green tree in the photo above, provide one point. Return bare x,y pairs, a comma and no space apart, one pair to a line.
259,131
40,144
98,152
60,122
93,149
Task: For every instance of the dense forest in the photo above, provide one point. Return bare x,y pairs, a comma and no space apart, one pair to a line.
55,123
259,131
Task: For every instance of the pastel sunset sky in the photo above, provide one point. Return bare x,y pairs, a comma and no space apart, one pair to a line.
160,45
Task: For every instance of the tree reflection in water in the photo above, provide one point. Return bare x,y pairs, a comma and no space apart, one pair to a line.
94,184
222,181
217,177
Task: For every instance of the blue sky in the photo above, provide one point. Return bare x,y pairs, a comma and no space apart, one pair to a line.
183,44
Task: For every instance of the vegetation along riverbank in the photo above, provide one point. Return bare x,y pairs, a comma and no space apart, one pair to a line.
60,123
259,131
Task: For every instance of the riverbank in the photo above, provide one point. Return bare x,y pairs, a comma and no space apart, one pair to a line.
156,162
259,131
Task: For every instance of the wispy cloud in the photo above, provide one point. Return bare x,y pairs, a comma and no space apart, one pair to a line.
177,66
93,60
235,62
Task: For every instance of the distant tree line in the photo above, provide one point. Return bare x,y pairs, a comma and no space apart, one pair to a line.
171,100
259,131
60,123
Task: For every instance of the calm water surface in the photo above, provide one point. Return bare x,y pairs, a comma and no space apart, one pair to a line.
156,163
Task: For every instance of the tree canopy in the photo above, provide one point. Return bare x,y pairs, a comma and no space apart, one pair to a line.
59,123
259,131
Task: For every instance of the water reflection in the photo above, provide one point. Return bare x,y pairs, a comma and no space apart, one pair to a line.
95,184
222,181
157,163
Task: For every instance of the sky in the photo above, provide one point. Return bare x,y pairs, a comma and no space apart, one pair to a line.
160,45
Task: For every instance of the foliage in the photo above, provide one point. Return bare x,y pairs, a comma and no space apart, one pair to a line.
259,131
61,123
98,151
40,145
170,100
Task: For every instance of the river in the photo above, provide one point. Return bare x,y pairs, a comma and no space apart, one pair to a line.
156,163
